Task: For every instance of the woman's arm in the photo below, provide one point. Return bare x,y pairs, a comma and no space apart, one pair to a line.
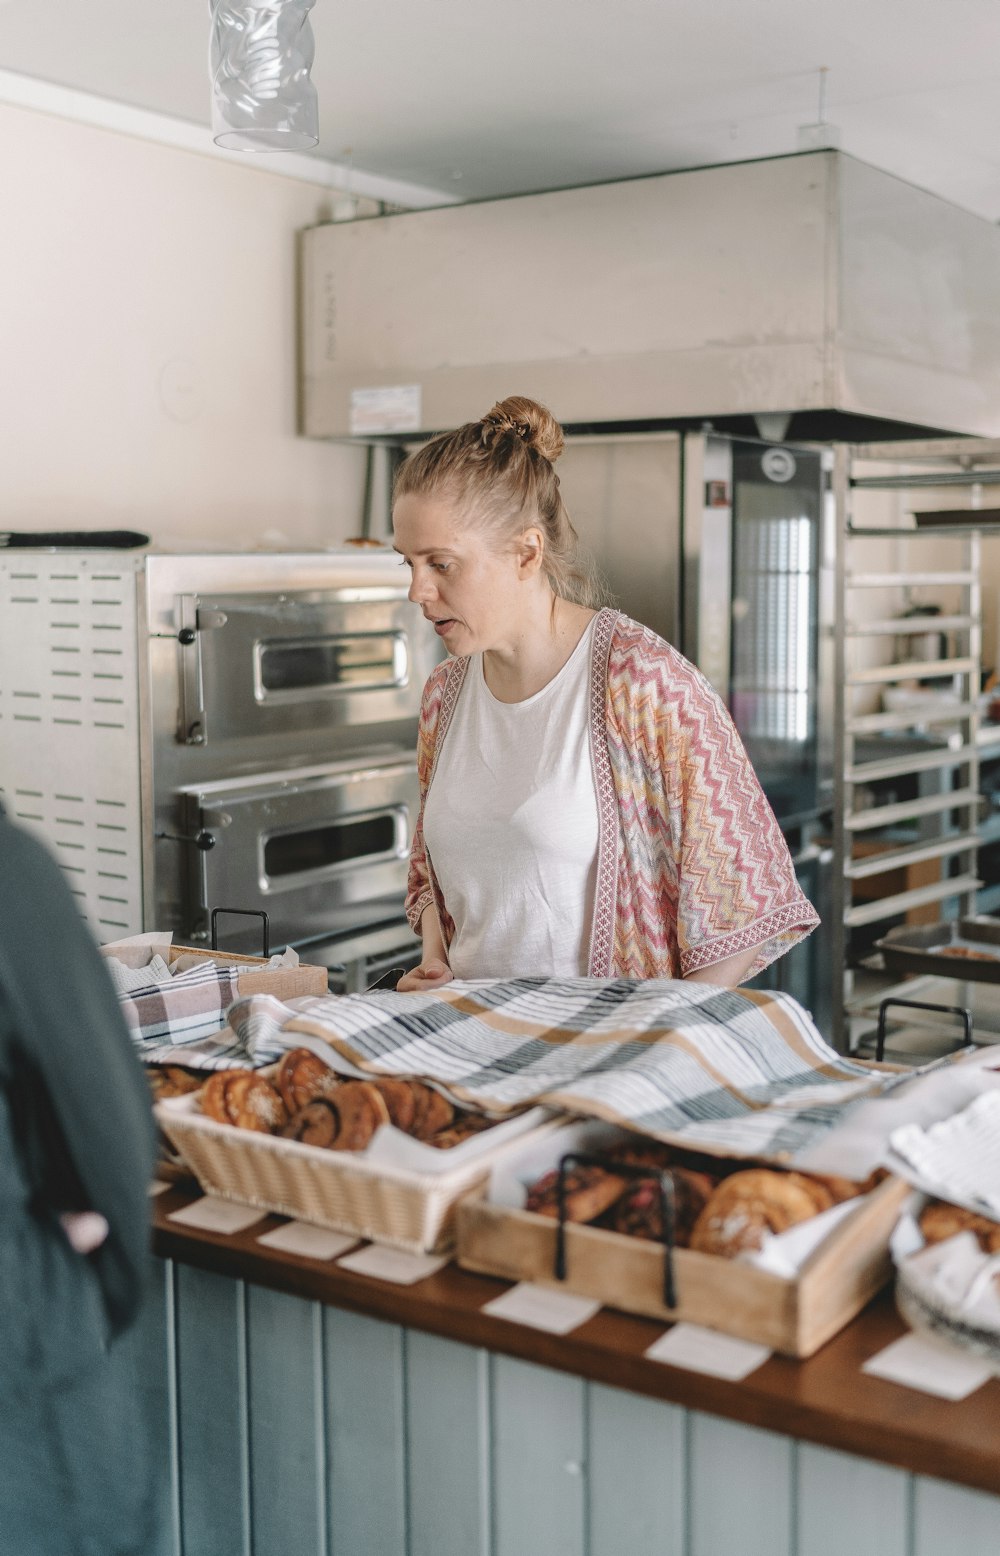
433,969
94,1121
729,972
421,909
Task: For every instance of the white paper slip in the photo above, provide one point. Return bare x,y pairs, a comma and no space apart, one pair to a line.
405,1269
309,1242
217,1215
158,1187
703,1350
930,1366
540,1307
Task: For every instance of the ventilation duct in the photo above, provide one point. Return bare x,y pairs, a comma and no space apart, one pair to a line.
811,285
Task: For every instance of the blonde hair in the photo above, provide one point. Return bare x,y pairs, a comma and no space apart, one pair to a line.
497,472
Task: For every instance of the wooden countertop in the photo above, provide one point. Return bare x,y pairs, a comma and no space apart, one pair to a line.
825,1400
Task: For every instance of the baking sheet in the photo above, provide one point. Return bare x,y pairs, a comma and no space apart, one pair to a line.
911,949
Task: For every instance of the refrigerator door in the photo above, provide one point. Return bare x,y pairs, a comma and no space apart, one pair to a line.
753,537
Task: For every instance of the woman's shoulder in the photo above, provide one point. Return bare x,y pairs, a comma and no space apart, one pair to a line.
649,680
442,687
636,649
444,673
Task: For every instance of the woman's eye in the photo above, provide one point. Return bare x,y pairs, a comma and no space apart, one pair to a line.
441,567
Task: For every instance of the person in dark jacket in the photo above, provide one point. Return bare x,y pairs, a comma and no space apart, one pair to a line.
76,1158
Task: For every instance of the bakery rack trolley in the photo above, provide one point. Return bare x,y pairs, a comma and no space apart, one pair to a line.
907,526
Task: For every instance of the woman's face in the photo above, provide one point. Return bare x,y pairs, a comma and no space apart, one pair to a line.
471,590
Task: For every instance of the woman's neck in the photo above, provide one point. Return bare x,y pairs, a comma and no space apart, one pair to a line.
537,651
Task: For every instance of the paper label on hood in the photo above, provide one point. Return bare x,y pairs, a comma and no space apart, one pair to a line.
392,408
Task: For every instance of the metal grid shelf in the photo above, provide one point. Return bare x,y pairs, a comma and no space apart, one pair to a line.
912,767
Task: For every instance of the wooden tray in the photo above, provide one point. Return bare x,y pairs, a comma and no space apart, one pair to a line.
795,1317
254,976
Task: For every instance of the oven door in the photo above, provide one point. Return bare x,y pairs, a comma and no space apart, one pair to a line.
265,677
322,850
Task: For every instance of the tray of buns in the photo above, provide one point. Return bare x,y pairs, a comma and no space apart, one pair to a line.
385,1158
781,1258
967,948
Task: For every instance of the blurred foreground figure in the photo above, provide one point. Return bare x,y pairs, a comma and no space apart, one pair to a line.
76,1157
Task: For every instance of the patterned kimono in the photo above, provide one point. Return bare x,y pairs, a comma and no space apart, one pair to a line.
692,866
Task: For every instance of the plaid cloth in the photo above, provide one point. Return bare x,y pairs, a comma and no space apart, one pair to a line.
736,1071
191,1007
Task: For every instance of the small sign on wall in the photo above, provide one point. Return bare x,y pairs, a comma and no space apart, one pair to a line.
392,408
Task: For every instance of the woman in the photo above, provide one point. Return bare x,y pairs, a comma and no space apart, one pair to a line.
587,806
78,1476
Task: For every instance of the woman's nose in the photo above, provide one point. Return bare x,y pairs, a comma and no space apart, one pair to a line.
421,586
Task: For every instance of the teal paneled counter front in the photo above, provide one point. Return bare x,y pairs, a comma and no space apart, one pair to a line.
305,1411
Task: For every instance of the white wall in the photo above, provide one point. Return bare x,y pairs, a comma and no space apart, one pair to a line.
147,343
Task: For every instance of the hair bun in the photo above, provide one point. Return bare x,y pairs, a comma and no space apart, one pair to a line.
536,426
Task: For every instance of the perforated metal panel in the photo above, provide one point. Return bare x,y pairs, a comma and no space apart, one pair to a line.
69,722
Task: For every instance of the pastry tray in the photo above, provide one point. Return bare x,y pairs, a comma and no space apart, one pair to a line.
793,1316
929,948
408,1206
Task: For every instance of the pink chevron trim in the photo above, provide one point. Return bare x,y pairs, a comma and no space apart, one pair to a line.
781,921
416,908
602,930
453,681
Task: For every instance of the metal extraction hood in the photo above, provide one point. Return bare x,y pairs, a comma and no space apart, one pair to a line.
810,284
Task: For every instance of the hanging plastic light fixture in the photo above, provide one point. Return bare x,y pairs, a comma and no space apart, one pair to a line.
261,55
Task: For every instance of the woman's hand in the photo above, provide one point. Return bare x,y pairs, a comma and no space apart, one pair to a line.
431,974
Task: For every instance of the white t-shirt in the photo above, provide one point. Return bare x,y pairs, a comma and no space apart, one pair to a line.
510,825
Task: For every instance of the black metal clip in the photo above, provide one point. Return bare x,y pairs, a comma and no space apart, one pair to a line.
944,1010
665,1189
246,913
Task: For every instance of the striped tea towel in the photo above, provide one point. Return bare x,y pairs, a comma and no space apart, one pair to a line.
185,1009
739,1071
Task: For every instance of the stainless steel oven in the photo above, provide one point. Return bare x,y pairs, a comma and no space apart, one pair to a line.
219,730
317,848
284,694
263,676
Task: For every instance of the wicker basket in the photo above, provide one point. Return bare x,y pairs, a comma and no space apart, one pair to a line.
338,1189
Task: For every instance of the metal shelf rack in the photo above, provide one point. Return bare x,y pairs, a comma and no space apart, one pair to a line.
927,839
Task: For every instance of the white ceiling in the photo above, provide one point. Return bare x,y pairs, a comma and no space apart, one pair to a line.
478,98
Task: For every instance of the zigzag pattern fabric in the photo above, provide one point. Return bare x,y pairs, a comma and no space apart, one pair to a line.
692,865
704,871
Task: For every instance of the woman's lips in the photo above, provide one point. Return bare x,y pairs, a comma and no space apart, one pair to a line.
443,627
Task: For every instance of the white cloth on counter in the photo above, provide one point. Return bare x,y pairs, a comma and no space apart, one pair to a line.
127,979
157,972
861,1141
958,1158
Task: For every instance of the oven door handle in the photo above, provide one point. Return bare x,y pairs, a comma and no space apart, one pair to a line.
193,619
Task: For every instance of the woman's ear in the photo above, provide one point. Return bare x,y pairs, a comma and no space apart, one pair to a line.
530,552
